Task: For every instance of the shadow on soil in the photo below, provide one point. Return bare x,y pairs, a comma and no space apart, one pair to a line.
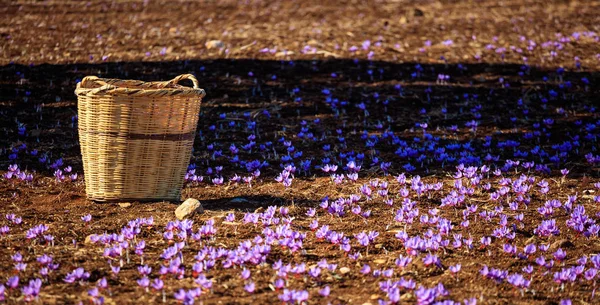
279,95
248,203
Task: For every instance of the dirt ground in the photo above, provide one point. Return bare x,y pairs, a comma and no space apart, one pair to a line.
280,65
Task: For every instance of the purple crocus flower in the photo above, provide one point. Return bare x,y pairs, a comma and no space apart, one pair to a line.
36,231
20,267
144,282
32,290
352,167
394,295
529,249
13,282
455,268
44,259
366,269
157,284
180,295
94,292
362,238
102,283
217,181
279,283
139,248
17,257
565,302
560,254
86,218
250,287
245,274
547,228
144,270
230,217
590,274
425,295
352,177
314,272
294,296
518,280
78,274
325,291
432,259
4,230
402,261
248,180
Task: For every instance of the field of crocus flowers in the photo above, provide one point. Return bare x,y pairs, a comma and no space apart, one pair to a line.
348,152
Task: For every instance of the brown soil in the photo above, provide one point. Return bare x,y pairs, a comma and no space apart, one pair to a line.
48,45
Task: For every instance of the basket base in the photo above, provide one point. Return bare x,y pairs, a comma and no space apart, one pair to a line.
142,200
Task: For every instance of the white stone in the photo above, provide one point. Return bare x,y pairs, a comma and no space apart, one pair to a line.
188,208
214,44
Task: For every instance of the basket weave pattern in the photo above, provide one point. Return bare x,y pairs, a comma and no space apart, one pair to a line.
136,137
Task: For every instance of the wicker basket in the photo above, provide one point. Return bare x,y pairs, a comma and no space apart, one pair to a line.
136,137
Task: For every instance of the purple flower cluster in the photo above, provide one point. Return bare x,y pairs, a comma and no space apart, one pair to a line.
293,296
77,275
15,172
286,176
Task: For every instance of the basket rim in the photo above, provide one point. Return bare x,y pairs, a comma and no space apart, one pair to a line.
95,86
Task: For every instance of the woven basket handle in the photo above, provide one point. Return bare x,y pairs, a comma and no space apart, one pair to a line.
92,85
85,82
179,78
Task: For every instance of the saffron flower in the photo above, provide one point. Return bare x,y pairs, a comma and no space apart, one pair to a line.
87,218
13,282
144,282
76,275
249,287
325,291
32,290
